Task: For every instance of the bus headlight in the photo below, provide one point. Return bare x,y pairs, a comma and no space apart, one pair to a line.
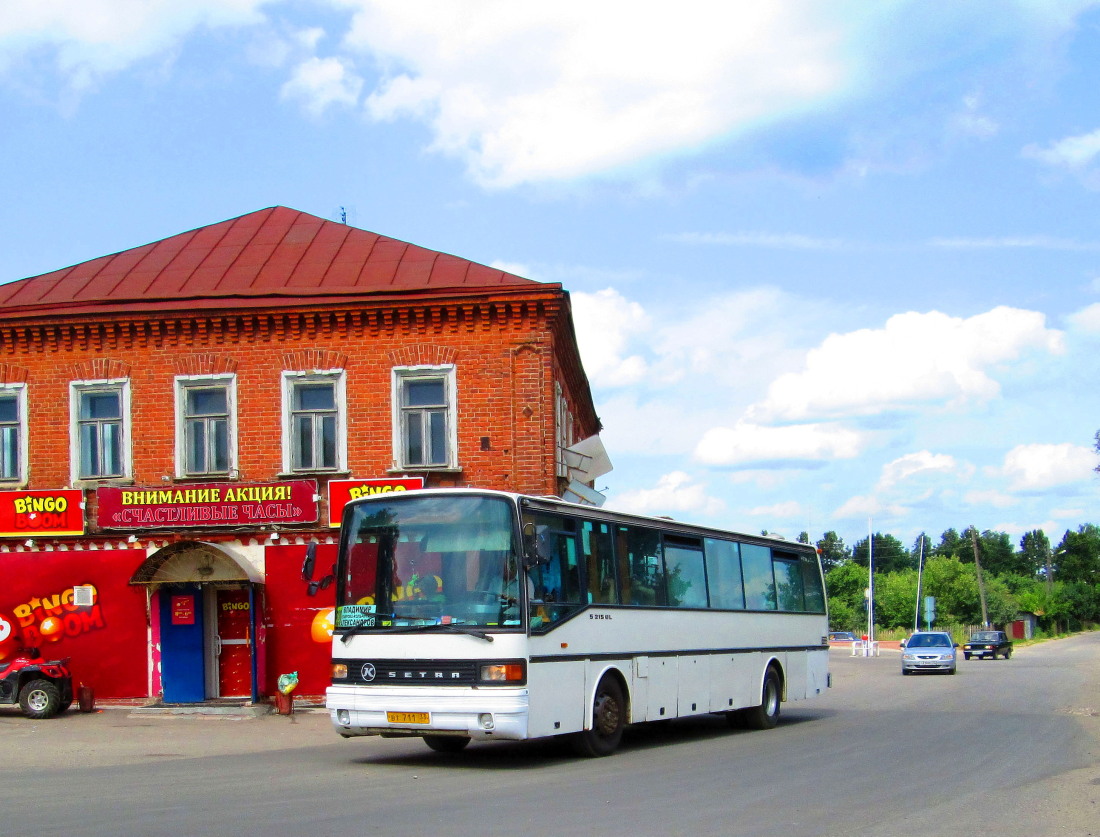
343,717
503,673
339,671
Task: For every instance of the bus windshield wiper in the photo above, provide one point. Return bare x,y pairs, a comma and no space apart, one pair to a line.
469,630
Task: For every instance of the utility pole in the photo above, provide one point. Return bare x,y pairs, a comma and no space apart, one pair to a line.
978,569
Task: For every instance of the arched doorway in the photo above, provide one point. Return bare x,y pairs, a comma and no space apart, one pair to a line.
202,606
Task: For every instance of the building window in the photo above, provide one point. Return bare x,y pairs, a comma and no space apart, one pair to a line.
314,435
13,433
425,433
101,418
206,409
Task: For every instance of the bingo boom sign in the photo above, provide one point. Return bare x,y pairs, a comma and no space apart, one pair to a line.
209,504
24,513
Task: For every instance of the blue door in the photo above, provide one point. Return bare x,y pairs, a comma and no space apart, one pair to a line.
182,653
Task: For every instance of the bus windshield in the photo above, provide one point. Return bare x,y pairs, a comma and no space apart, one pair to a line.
411,562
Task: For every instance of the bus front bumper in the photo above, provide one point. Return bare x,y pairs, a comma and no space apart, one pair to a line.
485,713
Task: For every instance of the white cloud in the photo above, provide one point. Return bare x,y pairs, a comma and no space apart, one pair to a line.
869,507
605,323
527,93
674,492
1087,319
93,38
787,509
1039,467
914,359
913,464
747,443
1074,152
997,499
776,241
319,83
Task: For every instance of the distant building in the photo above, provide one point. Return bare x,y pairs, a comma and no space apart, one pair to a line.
180,420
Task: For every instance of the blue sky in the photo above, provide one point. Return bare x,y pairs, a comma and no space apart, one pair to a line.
834,266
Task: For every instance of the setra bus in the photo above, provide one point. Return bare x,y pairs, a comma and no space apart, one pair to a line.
467,614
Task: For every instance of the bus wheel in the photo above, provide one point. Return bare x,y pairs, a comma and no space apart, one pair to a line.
608,720
446,743
766,715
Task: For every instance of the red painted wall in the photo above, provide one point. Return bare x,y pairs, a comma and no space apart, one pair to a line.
107,641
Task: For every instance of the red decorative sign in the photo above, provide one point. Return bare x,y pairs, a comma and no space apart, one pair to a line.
24,513
341,491
183,610
209,504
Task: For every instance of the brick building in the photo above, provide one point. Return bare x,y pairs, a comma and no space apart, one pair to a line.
178,421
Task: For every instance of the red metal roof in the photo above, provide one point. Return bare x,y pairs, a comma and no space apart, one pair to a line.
276,252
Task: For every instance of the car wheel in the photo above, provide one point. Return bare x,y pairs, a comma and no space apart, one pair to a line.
1008,653
608,721
906,671
951,670
966,656
40,699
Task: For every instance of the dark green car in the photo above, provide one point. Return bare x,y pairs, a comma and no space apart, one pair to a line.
988,644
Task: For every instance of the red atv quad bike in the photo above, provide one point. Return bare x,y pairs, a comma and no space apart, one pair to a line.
42,688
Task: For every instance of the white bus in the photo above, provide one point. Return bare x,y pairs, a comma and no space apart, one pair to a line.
477,615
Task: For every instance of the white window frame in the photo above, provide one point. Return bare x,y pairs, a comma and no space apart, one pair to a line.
22,445
399,376
336,377
76,390
183,383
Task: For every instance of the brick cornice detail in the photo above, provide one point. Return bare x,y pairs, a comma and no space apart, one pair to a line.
423,354
301,360
11,374
100,369
205,364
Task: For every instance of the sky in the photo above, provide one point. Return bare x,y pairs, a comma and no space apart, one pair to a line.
833,266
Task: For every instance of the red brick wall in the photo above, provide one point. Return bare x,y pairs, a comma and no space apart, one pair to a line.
507,355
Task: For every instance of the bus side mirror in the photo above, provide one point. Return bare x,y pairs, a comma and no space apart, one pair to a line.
534,547
307,564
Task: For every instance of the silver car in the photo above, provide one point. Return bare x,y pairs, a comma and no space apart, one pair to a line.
929,651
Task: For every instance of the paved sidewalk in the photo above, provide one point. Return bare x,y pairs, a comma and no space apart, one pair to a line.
126,734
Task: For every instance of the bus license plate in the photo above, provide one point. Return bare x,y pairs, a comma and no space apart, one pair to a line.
409,717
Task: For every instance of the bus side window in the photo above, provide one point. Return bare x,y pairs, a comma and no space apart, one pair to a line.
557,584
756,567
599,562
811,583
724,575
646,567
788,582
687,584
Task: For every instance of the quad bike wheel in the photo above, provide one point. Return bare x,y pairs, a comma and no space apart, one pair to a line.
40,699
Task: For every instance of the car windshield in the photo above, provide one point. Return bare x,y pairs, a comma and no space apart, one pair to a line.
985,636
431,561
928,641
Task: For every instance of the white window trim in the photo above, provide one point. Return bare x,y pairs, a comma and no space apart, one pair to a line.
336,376
184,382
75,390
20,392
398,374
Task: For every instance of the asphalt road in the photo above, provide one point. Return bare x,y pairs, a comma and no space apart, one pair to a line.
1004,747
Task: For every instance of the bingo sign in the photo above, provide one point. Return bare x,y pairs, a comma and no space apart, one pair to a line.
210,504
24,513
340,492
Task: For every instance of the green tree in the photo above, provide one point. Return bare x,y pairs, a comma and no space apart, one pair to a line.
833,551
845,584
951,545
998,556
1077,557
888,553
1035,553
